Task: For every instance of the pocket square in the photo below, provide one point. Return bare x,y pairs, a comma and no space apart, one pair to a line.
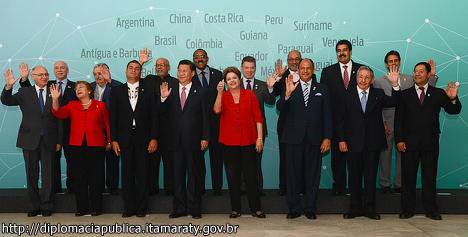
318,94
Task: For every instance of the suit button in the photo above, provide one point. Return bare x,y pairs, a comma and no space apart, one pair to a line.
238,125
238,118
237,111
238,131
237,105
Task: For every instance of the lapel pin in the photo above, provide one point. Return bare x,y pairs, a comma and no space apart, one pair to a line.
97,106
142,89
404,79
194,91
69,87
49,95
314,88
428,95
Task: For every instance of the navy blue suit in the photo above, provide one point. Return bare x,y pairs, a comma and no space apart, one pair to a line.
304,130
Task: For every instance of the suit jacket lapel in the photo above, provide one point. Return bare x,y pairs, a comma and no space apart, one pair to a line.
370,100
355,99
35,99
190,97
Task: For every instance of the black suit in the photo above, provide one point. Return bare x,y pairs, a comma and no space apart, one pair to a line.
304,131
134,140
332,77
187,126
279,88
418,126
216,154
112,160
36,147
155,158
67,96
364,134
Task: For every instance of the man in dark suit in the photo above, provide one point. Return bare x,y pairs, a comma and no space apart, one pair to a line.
392,60
189,126
307,134
40,136
264,92
361,136
339,77
134,124
162,70
417,132
294,57
208,78
68,94
102,88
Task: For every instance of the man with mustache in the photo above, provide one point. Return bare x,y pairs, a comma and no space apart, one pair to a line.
208,78
339,77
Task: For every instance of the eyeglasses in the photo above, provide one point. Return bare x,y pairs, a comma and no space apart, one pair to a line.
200,56
294,59
79,87
162,65
42,74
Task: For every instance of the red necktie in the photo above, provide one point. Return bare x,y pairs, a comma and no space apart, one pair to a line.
183,98
421,97
345,77
248,85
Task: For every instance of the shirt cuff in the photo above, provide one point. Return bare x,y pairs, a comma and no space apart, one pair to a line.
396,88
163,99
270,90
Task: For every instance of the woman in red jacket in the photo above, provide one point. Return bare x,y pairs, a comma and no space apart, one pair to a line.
241,132
88,142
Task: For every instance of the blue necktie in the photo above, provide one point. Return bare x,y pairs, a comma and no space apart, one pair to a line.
306,93
363,101
204,81
60,88
41,103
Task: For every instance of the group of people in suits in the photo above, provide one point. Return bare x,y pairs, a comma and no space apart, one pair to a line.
177,119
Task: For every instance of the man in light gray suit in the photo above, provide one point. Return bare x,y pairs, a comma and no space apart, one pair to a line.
264,91
40,136
392,62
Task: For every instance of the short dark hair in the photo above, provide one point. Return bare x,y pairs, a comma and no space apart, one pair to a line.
88,86
313,66
249,59
231,69
392,52
187,62
206,54
428,66
133,61
350,46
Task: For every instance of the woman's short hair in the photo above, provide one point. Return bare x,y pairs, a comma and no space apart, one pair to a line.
231,69
88,86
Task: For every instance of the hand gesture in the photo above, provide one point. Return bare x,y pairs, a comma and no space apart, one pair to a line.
10,79
152,146
433,67
393,75
290,86
452,90
343,146
24,71
164,90
54,92
387,130
272,80
259,145
220,86
144,56
116,148
401,146
325,145
204,144
279,69
106,74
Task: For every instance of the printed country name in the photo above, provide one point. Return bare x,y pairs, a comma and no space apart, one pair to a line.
120,53
312,26
285,49
134,23
273,20
251,35
161,40
238,56
203,44
332,42
220,18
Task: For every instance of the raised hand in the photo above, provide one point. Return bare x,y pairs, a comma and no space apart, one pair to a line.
10,79
433,67
393,75
452,90
279,69
106,74
144,56
164,90
290,86
54,92
24,71
272,80
220,86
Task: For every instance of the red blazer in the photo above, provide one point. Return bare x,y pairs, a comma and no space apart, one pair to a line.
237,124
90,122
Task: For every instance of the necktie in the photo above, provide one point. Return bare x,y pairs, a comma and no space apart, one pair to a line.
345,77
306,93
60,88
96,93
204,81
363,101
41,100
295,76
183,98
421,97
248,85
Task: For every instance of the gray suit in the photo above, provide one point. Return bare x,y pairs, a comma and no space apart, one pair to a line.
260,89
388,114
36,147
